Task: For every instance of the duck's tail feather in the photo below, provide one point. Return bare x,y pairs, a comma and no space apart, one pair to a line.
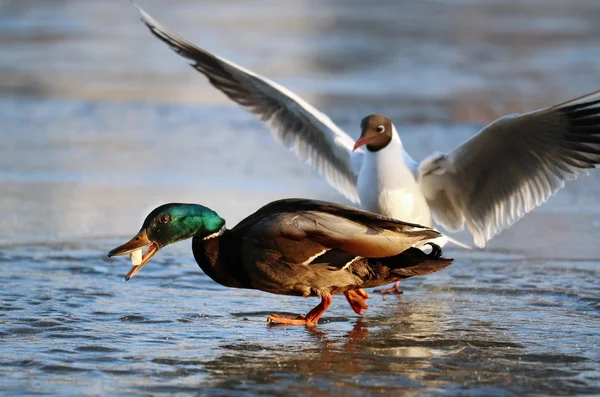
415,262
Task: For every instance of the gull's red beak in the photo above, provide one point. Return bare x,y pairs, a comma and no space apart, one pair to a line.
361,142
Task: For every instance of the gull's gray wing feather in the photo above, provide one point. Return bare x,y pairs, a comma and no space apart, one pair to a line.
299,126
512,166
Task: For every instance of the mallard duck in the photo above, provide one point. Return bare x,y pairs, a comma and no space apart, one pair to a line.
296,247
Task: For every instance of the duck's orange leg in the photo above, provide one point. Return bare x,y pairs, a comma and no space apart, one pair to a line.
357,299
394,290
309,320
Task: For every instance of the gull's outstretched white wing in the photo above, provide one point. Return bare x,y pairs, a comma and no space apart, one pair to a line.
511,166
309,133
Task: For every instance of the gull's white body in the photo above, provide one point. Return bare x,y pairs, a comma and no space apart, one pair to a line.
387,184
486,184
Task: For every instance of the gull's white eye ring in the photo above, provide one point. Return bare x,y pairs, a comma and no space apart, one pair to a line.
380,129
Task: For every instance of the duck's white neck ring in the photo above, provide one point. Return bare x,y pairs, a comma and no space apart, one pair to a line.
215,234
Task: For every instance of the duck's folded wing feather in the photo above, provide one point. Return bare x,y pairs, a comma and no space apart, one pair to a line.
512,166
302,230
309,133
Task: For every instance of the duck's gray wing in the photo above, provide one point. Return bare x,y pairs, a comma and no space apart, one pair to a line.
512,166
301,230
299,126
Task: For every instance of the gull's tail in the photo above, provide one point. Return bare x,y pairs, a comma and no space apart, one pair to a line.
459,243
442,241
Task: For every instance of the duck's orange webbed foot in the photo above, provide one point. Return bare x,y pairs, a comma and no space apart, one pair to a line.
357,299
311,319
394,290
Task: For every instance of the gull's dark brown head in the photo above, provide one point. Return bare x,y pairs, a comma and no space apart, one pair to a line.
376,133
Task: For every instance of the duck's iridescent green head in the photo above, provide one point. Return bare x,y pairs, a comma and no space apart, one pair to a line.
166,225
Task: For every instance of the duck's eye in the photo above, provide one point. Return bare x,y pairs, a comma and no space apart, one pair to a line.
380,129
164,219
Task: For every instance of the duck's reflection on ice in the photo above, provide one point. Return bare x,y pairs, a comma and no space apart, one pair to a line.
400,347
393,349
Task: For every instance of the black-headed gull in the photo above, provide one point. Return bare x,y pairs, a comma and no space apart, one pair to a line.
488,183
